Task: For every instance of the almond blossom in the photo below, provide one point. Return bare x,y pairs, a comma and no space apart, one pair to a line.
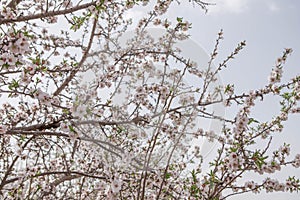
92,110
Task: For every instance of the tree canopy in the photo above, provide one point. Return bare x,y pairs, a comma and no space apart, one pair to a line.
96,104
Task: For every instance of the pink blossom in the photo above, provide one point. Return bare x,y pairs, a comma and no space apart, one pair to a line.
43,97
296,162
116,185
3,129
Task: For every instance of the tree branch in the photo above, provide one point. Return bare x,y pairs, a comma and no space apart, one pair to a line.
47,14
73,72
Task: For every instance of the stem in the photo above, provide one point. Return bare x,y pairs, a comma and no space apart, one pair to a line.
47,14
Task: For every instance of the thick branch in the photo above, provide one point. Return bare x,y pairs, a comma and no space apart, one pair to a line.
73,73
47,14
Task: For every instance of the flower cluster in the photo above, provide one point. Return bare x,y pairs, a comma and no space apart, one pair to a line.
15,45
43,97
162,6
296,162
241,122
8,13
271,185
270,167
275,75
3,129
9,60
80,110
233,161
251,185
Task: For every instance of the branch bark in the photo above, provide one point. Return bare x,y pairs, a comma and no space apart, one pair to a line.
46,14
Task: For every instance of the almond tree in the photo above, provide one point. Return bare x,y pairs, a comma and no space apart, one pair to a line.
87,115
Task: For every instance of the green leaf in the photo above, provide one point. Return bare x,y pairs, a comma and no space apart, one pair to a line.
286,96
77,22
72,128
251,120
179,19
194,176
13,85
168,175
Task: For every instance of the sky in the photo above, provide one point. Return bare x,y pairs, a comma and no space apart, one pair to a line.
268,26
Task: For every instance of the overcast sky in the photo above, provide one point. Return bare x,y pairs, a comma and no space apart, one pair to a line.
268,26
